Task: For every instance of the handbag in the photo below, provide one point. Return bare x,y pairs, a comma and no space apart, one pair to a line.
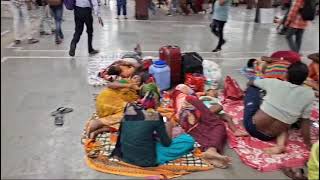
232,89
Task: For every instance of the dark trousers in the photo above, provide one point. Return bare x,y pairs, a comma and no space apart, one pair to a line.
252,101
57,12
83,16
295,44
217,29
124,9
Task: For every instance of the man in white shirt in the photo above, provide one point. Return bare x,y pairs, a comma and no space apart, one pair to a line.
285,103
83,15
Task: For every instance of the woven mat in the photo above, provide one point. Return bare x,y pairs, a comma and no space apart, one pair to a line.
250,151
184,165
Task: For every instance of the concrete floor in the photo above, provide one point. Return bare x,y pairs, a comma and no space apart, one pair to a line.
37,79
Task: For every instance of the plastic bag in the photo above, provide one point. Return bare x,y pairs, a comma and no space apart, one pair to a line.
195,81
232,90
212,72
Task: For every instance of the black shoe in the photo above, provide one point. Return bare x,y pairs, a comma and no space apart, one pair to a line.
216,50
17,42
93,51
72,50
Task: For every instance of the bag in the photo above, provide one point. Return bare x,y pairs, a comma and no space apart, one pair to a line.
191,63
70,4
308,11
195,81
54,2
142,9
213,74
172,56
232,90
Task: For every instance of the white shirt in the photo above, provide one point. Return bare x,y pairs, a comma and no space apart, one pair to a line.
285,101
90,3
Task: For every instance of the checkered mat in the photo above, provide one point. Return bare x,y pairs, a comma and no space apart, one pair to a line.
97,157
250,151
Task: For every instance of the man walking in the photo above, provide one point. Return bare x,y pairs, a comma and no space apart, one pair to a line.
296,25
83,15
220,17
19,11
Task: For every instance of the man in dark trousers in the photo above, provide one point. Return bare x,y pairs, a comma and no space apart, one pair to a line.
83,15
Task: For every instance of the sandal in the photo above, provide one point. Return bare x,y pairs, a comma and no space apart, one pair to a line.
58,120
61,110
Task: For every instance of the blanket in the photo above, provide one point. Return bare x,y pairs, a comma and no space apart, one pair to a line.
98,151
249,148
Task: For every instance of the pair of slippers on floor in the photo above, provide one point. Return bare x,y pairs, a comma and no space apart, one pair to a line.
295,173
58,115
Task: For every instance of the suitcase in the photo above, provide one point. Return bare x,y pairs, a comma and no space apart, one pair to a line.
142,9
172,55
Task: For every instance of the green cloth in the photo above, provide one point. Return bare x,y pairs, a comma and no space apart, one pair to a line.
138,145
313,164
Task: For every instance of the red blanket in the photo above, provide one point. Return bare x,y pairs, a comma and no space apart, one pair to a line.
250,151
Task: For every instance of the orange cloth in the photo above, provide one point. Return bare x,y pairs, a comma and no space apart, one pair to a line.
314,71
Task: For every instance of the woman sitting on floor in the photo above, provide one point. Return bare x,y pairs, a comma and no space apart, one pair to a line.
146,140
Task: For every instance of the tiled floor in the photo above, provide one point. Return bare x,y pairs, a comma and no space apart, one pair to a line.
36,79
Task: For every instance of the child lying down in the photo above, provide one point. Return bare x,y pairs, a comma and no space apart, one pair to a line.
211,100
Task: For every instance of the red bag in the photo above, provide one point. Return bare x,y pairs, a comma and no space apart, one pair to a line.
232,89
195,81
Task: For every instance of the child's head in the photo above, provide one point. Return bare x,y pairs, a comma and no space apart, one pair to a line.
126,71
250,63
297,73
114,70
212,93
137,79
314,57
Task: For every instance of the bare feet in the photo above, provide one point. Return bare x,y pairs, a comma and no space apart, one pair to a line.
239,133
216,159
275,150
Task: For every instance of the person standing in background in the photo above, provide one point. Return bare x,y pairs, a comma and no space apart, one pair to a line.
296,25
122,5
220,17
57,12
45,18
83,15
20,12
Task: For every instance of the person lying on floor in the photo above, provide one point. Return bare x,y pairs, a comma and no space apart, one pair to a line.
111,102
211,100
124,68
207,129
146,140
284,103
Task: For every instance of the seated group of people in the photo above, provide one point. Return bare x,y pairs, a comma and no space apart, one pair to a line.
148,138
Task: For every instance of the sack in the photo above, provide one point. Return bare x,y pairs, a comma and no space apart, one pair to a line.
54,2
70,4
195,81
232,89
308,11
191,63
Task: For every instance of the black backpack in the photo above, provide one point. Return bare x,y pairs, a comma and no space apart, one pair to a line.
308,11
191,63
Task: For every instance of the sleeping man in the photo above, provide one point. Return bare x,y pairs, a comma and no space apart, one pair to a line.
285,103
